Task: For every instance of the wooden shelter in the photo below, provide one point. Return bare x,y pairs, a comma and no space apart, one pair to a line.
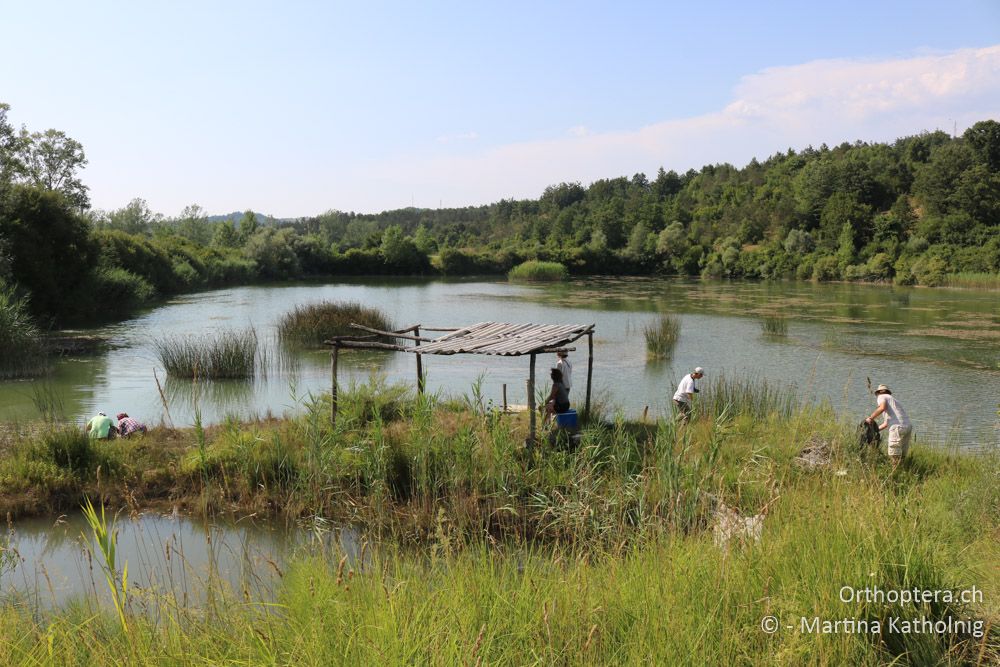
491,338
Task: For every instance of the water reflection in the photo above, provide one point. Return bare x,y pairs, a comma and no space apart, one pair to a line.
939,348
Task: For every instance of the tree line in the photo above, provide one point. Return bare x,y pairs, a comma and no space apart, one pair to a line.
910,212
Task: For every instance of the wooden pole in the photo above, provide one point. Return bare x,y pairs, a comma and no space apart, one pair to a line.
590,368
531,400
420,365
505,397
333,384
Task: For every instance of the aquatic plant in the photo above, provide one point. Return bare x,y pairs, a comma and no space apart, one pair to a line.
774,325
973,279
105,538
311,324
662,336
230,354
748,396
535,270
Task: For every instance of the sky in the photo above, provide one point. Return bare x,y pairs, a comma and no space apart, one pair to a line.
294,108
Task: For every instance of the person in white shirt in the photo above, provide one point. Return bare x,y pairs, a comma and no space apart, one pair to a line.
896,421
565,368
686,391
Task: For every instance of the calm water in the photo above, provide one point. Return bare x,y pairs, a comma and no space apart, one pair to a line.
168,555
938,349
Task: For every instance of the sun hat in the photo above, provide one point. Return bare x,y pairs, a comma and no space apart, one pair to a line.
881,388
700,370
562,353
121,415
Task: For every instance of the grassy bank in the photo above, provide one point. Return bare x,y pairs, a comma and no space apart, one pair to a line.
616,553
974,280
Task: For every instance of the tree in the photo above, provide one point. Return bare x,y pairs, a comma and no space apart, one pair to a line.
984,139
193,224
248,227
400,252
50,160
134,218
10,148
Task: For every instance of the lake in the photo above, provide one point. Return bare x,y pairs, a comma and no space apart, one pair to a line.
938,349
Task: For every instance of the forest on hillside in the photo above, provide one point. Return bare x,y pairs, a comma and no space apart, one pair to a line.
915,211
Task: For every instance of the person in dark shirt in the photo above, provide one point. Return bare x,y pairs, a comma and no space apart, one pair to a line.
558,400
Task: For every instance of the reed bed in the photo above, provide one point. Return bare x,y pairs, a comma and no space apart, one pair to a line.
311,324
774,325
21,351
662,336
976,280
744,395
235,354
538,271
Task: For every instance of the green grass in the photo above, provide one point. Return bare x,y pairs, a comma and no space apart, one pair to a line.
228,355
774,325
669,597
662,337
973,279
21,351
537,271
310,325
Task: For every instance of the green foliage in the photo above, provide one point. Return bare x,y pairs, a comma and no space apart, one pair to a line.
311,324
774,325
230,354
535,270
661,337
21,352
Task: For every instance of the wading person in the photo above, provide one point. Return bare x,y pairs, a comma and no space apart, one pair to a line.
895,420
686,390
566,369
100,427
127,426
558,400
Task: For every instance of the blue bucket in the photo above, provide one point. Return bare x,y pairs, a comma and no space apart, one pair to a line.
566,419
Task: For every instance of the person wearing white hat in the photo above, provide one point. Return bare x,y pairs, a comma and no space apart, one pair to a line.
686,390
895,420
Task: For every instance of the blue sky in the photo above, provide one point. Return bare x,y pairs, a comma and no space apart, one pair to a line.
294,108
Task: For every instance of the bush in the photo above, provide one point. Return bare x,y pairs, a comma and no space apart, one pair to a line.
535,270
311,324
21,352
119,291
826,269
930,271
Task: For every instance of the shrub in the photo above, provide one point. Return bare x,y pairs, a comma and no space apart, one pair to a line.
930,271
21,352
120,290
826,269
311,324
662,337
535,270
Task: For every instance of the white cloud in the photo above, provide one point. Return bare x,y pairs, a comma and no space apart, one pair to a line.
827,101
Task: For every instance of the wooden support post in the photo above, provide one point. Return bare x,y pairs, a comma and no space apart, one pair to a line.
505,397
590,368
333,384
420,365
531,401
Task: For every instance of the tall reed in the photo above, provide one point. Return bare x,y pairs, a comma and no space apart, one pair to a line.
973,279
774,325
231,354
311,324
662,336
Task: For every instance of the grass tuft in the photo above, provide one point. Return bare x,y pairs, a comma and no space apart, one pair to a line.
774,325
662,337
21,351
230,355
537,271
309,325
